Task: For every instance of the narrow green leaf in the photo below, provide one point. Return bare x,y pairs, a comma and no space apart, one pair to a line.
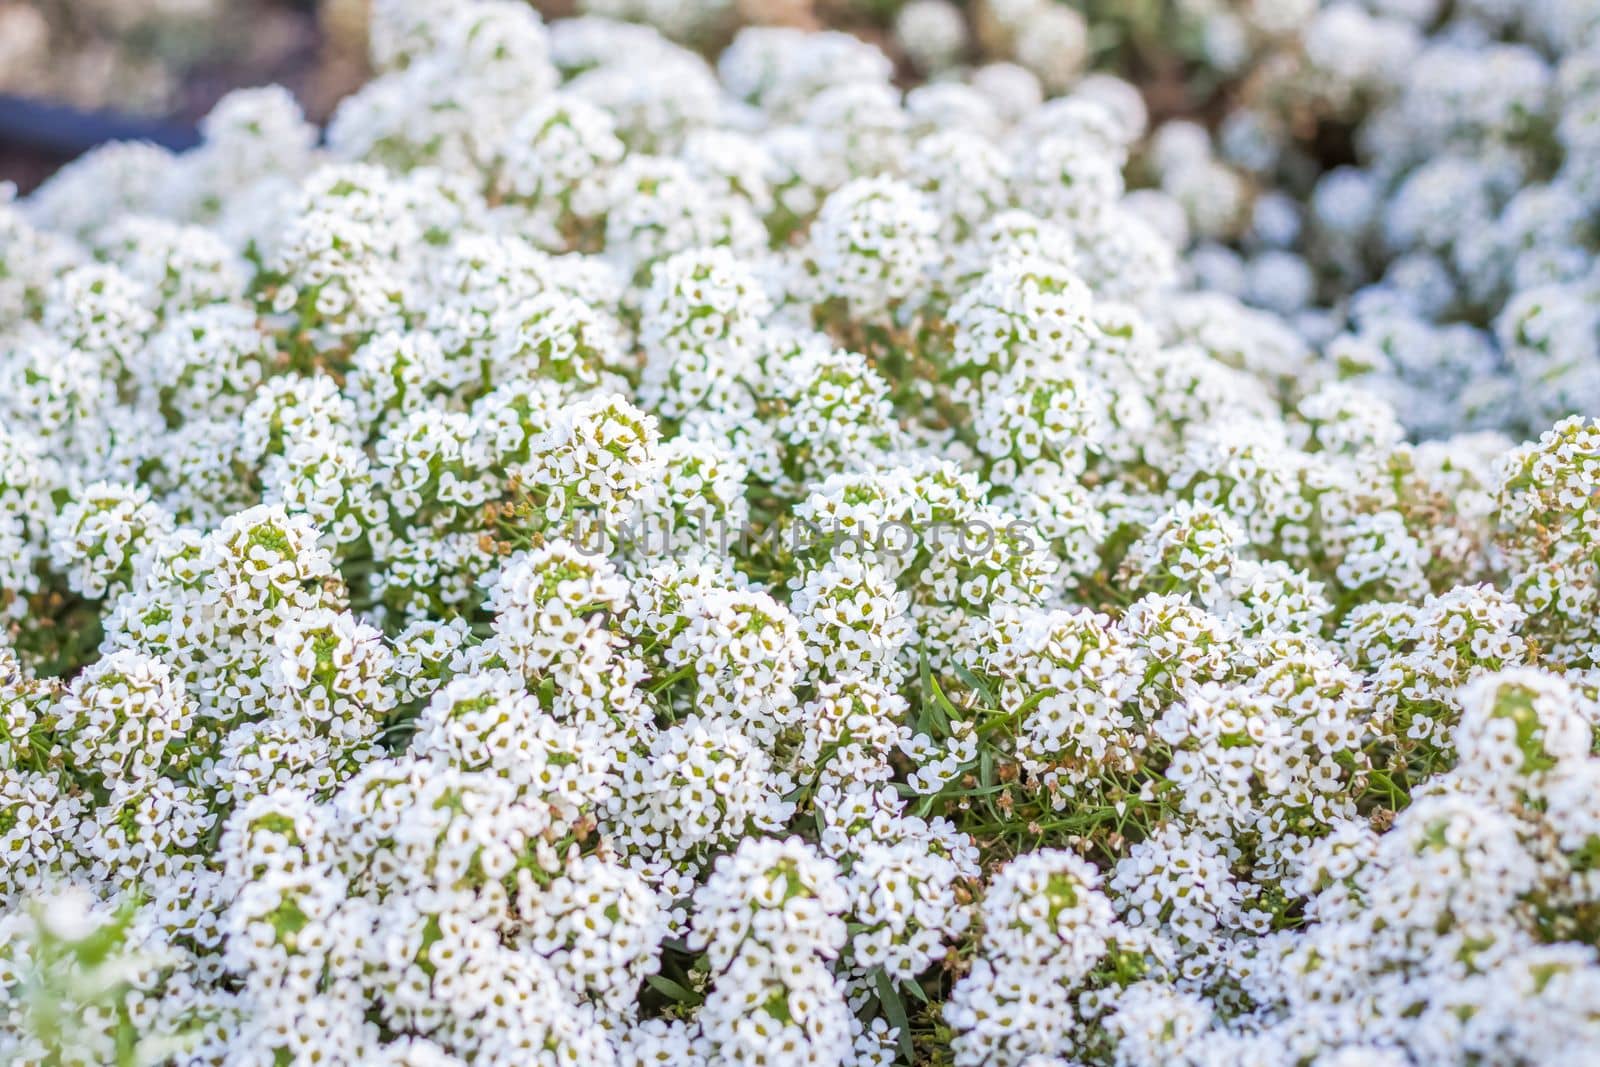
895,1009
931,717
976,684
667,987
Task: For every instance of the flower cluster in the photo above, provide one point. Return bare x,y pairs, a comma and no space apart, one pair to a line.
619,558
1448,263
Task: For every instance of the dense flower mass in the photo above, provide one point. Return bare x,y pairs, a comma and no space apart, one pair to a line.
613,558
1457,243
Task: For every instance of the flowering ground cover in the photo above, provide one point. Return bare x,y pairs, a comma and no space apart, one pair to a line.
614,557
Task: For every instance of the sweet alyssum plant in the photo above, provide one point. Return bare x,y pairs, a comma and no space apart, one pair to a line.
614,560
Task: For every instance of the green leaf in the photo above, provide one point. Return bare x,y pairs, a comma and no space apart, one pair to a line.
931,719
895,1009
668,988
942,702
976,684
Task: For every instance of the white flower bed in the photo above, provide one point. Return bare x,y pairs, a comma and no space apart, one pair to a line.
1451,264
619,561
